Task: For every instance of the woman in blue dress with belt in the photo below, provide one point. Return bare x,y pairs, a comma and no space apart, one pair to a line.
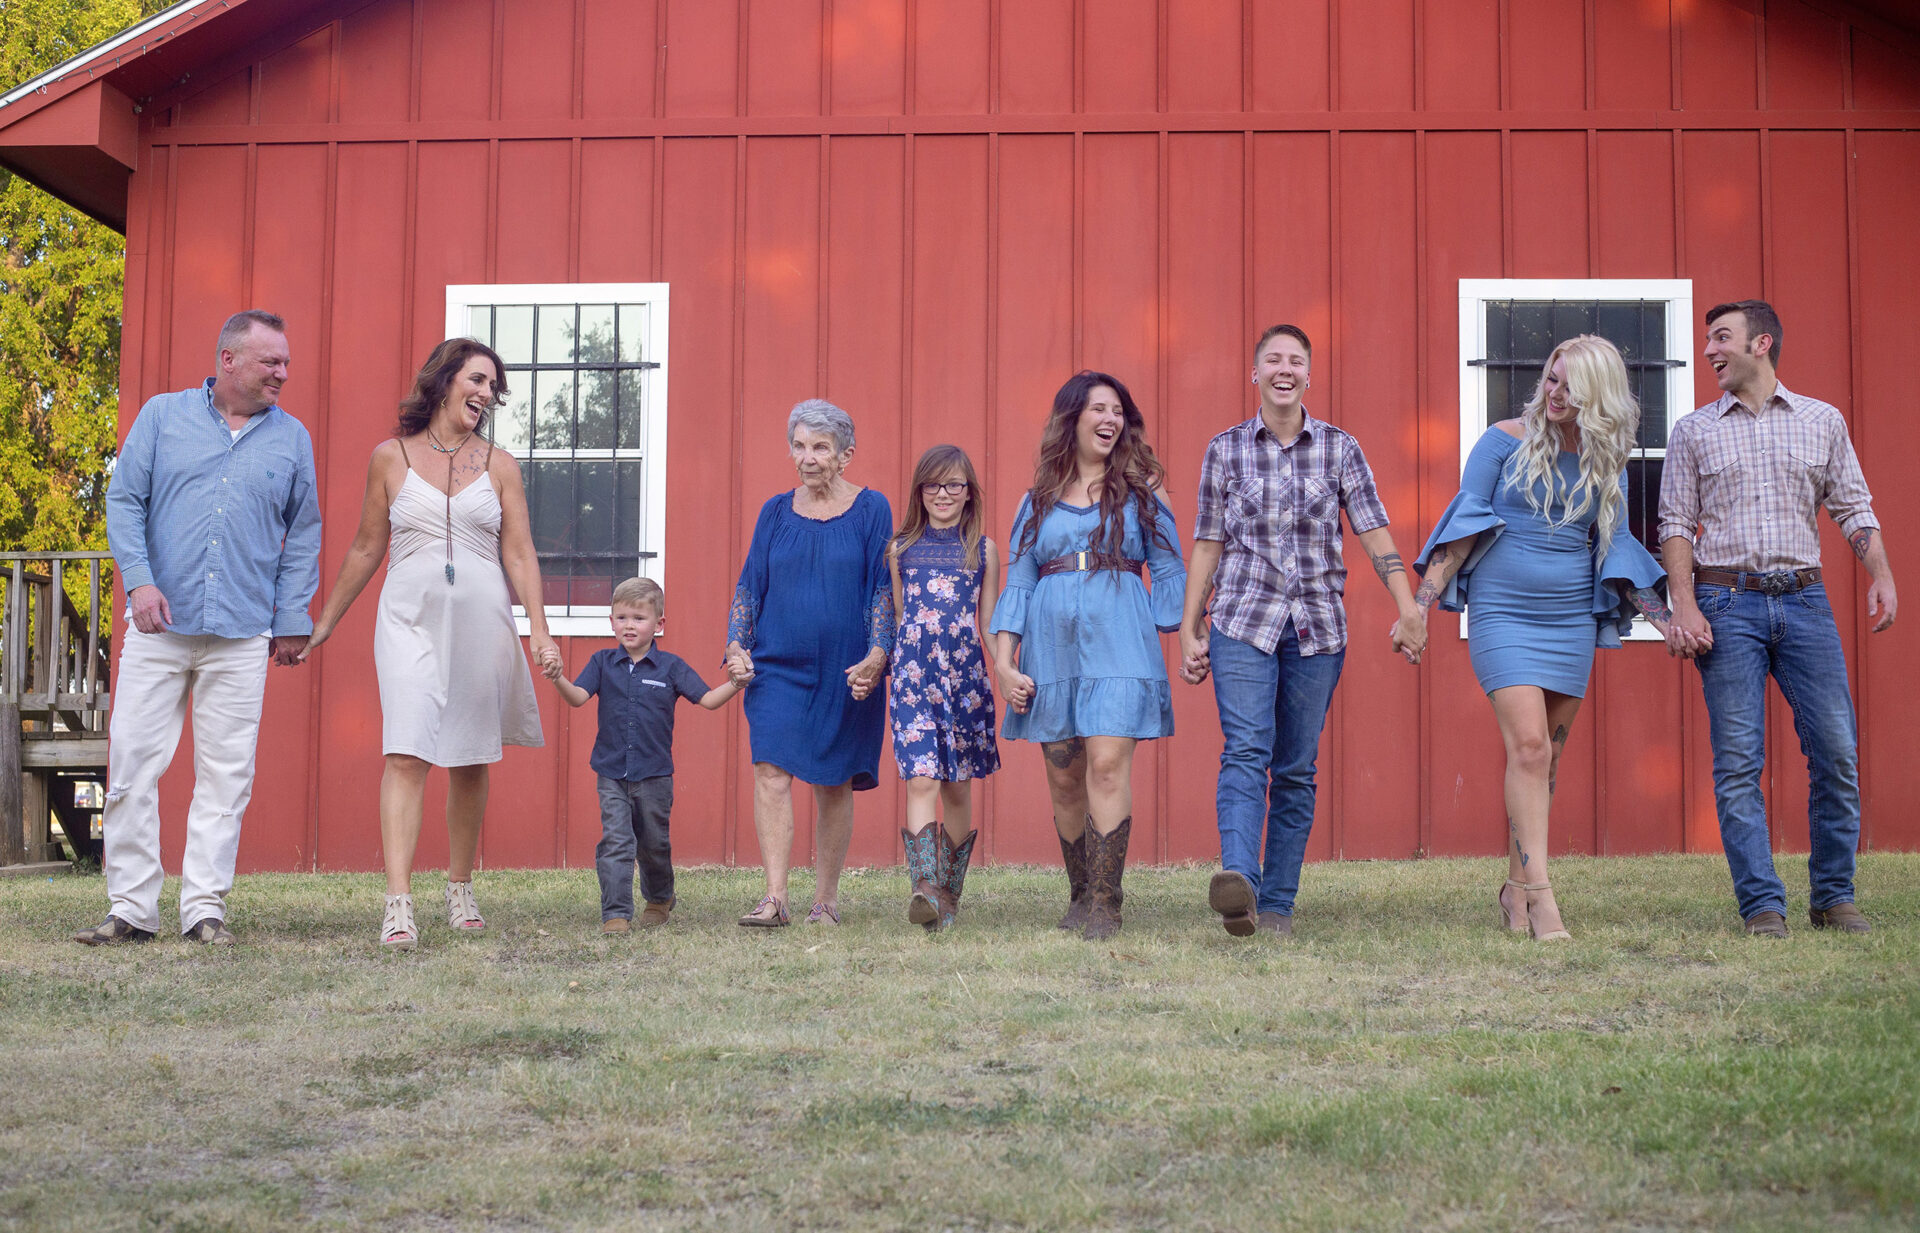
1539,533
812,627
1079,661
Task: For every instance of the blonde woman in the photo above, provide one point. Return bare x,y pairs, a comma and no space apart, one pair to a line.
1539,530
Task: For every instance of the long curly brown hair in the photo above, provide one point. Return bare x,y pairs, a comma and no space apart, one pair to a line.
435,378
1133,473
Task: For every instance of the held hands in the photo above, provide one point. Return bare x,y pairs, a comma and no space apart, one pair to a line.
550,666
864,676
151,615
1195,657
1688,635
1016,687
289,650
739,666
321,633
1409,634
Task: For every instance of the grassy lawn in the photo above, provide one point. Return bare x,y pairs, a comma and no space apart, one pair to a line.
1400,1064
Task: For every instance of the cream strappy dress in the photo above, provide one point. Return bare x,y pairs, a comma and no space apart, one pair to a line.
454,682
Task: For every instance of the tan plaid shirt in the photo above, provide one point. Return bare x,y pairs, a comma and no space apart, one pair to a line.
1753,483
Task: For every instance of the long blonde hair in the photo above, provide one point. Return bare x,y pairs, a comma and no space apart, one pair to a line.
1609,420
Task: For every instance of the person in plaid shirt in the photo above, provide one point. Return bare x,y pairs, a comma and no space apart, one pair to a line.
1267,550
1745,476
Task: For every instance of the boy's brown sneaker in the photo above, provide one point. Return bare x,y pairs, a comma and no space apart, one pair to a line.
655,914
1842,916
614,925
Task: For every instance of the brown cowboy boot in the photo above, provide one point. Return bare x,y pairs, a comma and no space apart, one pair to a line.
952,875
1075,854
1106,862
923,855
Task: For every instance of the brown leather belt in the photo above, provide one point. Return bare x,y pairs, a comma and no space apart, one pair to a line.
1783,582
1076,562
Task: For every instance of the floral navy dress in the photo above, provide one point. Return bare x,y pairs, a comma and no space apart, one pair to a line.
942,703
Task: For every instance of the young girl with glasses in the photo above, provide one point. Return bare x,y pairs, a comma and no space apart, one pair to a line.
941,703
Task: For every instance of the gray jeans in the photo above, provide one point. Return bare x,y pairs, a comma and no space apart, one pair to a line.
633,827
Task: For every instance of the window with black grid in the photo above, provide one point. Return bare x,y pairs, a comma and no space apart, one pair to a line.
1521,334
583,413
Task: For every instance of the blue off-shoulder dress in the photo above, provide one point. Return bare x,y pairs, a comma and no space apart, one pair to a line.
814,597
1088,638
1542,596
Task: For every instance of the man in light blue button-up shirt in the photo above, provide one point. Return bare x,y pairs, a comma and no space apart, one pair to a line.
214,523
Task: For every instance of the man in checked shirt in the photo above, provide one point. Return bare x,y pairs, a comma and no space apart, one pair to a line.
1266,549
1744,477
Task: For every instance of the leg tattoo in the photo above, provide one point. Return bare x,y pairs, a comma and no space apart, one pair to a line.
1064,754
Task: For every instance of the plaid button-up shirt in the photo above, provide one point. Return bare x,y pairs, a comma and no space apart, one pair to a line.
1275,506
1752,484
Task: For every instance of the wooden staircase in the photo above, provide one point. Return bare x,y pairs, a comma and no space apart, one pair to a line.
55,671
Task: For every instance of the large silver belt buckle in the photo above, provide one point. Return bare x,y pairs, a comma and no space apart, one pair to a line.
1776,584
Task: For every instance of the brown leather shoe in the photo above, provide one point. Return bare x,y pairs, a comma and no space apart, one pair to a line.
1842,916
209,931
1231,894
656,914
1767,925
613,926
1279,924
112,932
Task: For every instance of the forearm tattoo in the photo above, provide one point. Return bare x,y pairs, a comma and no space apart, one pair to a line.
1861,541
1064,754
1387,564
1647,602
1427,593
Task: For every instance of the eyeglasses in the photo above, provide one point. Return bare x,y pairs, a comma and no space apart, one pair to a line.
953,488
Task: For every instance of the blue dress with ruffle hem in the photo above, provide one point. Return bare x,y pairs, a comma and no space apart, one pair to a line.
1543,598
1088,638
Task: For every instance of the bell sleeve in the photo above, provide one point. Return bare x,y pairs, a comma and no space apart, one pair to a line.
1471,513
1626,567
743,617
1023,574
880,622
1168,571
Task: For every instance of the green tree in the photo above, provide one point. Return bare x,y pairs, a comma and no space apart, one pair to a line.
61,277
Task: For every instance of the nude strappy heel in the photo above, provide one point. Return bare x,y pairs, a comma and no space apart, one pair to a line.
1556,935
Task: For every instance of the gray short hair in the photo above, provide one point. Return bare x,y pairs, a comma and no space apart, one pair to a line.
819,415
238,326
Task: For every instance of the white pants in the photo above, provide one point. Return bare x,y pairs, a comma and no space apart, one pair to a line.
226,678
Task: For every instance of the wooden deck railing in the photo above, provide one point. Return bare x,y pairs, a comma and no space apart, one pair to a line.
55,689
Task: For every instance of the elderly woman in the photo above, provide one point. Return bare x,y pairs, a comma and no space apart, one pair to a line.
812,627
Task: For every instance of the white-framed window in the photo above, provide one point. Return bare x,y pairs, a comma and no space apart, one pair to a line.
1508,327
586,414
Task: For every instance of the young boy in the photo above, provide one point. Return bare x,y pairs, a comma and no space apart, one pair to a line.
638,684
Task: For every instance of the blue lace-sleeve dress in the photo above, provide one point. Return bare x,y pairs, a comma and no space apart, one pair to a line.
1543,596
814,597
1088,638
941,702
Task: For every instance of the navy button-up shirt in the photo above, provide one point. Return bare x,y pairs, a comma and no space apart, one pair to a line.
227,527
637,697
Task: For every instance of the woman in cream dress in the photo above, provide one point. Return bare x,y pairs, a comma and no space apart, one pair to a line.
451,511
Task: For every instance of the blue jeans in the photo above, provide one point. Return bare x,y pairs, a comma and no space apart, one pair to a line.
1794,638
1272,708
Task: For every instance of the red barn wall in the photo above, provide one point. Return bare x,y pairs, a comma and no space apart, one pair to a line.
932,211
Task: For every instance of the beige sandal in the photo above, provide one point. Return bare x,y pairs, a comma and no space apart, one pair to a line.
1552,935
397,931
462,913
1508,915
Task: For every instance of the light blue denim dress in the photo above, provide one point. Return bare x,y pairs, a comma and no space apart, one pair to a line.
1091,639
1542,597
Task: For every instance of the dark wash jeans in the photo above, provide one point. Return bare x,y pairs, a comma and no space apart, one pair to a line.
1272,708
1793,638
633,826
